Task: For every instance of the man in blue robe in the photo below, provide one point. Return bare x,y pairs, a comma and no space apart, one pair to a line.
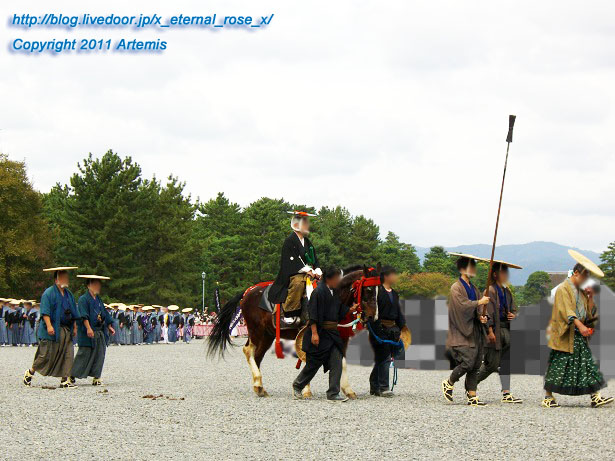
20,316
156,320
4,309
4,339
115,338
93,328
188,324
148,327
173,324
55,354
124,319
12,323
29,334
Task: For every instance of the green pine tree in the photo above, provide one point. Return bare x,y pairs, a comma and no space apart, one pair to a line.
438,260
608,265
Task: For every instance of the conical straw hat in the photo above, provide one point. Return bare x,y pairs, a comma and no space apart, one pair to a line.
586,263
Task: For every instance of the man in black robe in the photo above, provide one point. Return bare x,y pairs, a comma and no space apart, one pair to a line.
298,261
387,327
322,342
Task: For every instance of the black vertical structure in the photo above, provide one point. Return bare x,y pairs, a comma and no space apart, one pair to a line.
509,138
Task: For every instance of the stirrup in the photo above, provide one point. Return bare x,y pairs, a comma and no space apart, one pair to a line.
549,402
509,398
27,378
447,390
598,400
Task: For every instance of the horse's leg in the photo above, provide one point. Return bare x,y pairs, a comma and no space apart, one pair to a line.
344,385
257,357
257,378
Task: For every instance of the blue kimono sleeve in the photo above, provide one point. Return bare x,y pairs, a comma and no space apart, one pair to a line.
46,303
82,309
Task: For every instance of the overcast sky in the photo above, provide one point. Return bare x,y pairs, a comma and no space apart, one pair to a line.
397,110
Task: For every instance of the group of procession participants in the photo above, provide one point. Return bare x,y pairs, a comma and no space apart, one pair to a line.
132,324
57,322
478,341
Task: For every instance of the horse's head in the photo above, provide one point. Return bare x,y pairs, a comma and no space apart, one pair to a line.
361,286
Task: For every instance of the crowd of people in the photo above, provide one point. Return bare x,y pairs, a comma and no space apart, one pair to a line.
133,324
18,322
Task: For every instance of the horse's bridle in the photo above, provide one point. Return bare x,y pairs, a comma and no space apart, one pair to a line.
357,290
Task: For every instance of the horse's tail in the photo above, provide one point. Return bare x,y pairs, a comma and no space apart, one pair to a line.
220,337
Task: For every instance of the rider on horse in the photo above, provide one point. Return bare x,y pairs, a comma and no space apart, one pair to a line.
297,263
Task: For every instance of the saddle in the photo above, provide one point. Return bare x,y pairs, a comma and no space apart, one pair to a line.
286,323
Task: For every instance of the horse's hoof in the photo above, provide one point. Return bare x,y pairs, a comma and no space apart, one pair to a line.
308,395
261,392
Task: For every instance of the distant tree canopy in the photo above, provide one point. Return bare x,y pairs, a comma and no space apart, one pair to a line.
537,287
438,260
25,237
608,265
154,240
424,285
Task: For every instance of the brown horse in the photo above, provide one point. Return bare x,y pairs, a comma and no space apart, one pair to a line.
261,331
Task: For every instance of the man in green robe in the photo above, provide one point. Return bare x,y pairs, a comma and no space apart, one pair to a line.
572,369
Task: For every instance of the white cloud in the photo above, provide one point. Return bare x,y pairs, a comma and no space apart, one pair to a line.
344,103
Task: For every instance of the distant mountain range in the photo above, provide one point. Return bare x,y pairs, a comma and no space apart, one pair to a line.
534,256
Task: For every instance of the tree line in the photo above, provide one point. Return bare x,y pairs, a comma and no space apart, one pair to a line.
154,240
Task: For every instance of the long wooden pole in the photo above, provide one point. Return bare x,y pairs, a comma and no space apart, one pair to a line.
509,137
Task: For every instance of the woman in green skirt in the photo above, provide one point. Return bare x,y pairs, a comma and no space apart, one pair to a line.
572,369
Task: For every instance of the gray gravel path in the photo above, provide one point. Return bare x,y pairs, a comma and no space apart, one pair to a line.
221,418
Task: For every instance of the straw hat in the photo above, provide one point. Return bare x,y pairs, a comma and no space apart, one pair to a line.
60,268
173,307
586,263
301,355
507,264
121,307
465,255
94,277
147,308
186,310
14,302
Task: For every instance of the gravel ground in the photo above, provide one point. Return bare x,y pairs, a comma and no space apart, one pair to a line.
208,410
